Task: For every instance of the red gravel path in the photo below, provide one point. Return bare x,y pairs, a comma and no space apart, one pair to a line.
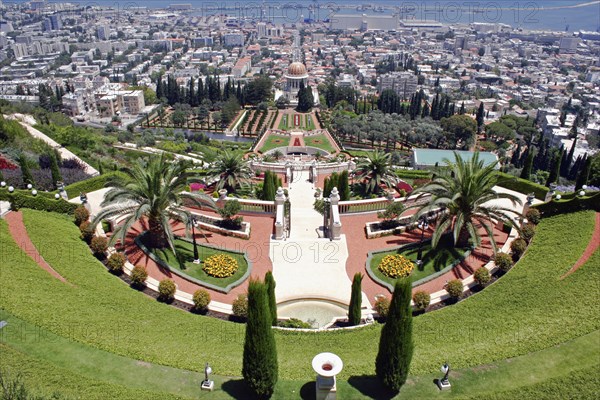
17,230
257,248
589,250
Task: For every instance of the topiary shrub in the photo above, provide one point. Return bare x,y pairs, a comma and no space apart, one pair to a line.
138,276
482,276
115,263
382,306
240,306
201,300
87,231
99,245
421,300
503,261
527,232
518,247
166,290
454,289
533,216
294,323
81,214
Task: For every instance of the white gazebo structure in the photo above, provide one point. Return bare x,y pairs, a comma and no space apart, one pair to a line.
295,76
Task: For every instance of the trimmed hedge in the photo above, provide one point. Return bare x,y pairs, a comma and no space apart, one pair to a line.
90,185
522,185
556,207
41,203
413,174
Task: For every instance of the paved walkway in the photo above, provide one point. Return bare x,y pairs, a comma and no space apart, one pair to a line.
26,121
17,230
590,249
308,265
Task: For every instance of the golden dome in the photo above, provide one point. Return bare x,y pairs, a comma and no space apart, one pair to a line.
297,69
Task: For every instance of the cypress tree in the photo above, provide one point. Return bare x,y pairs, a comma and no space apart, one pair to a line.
268,187
514,160
480,117
343,186
584,174
570,157
25,171
56,176
574,172
355,300
555,171
259,365
461,111
528,166
396,344
270,282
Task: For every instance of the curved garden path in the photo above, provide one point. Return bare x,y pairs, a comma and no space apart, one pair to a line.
257,249
353,226
17,230
592,246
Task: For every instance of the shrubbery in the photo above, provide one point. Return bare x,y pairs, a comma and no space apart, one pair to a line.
99,245
87,231
138,276
240,306
518,247
421,300
115,263
503,261
166,290
40,202
454,288
382,306
294,323
533,216
482,276
201,300
81,215
527,232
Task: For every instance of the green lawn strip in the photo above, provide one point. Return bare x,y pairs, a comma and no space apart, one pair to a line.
274,141
320,142
45,379
284,122
110,371
186,250
433,260
90,363
527,310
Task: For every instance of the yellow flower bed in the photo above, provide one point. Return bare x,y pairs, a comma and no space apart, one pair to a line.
396,266
220,266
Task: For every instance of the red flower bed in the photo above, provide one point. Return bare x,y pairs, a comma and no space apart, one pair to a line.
404,186
5,164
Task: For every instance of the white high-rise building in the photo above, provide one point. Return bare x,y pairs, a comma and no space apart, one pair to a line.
103,32
403,83
261,30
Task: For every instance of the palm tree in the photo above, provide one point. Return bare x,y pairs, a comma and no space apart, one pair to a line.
151,190
375,170
230,170
464,191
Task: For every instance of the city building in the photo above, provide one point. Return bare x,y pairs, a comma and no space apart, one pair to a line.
403,83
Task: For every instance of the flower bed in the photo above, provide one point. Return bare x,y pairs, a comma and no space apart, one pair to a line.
220,266
182,264
396,266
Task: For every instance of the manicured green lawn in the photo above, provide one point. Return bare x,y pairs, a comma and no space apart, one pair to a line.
78,370
309,123
319,141
274,141
286,122
529,309
434,260
185,258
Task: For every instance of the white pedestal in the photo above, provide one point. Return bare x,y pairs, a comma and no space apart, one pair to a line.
208,385
444,385
196,261
326,388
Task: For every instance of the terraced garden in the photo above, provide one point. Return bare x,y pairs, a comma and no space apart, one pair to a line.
273,141
551,323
